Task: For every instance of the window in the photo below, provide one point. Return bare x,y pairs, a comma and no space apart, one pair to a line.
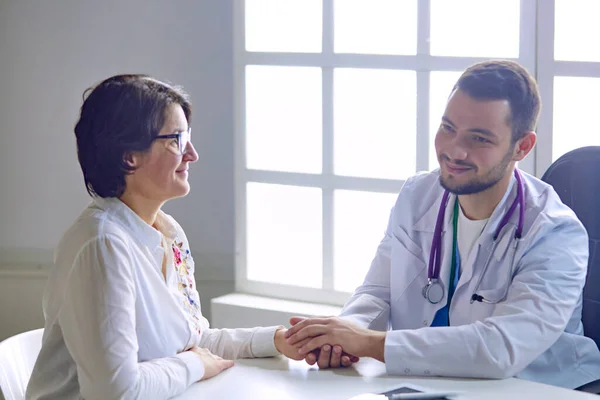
338,102
568,72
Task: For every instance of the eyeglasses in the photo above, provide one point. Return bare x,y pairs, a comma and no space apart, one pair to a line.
183,138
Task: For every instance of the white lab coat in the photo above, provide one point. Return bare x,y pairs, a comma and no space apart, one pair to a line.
535,333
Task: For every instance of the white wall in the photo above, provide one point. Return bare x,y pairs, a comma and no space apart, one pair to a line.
50,51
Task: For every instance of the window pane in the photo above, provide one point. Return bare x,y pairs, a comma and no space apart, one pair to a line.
360,220
576,105
475,28
293,26
576,24
375,123
283,118
375,26
440,86
284,234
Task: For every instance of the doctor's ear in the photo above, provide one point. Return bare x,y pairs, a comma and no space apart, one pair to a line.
524,145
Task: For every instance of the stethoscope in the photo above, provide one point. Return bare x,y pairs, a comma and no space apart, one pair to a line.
434,291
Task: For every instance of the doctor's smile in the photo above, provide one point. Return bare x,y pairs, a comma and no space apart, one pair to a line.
455,168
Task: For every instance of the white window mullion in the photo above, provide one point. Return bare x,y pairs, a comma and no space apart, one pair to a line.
576,68
545,79
240,175
327,115
328,232
423,128
322,181
527,58
334,60
527,35
327,183
328,27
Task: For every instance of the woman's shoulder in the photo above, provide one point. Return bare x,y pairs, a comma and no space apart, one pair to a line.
92,224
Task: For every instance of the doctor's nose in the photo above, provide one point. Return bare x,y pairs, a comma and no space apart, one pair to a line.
456,151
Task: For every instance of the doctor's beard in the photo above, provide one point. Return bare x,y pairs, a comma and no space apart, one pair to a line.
479,184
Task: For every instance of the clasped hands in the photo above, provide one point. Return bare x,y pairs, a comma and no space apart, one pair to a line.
331,342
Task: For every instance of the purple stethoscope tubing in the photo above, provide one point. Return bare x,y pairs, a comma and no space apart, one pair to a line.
433,269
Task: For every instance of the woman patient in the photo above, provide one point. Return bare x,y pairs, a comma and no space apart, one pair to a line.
122,310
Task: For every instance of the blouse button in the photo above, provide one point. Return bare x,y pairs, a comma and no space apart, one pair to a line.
407,371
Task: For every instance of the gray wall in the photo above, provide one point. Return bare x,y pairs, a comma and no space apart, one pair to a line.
50,51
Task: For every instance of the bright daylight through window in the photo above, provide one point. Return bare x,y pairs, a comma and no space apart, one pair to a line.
338,102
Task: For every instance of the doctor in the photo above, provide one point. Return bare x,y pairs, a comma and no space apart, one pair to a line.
481,269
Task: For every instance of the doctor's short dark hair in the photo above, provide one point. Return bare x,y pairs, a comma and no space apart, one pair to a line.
120,116
505,80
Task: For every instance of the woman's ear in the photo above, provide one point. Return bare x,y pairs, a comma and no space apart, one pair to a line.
132,159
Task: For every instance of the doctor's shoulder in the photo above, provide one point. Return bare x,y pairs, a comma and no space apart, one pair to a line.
418,194
549,220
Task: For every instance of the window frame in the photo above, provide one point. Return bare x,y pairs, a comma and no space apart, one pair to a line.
547,69
422,62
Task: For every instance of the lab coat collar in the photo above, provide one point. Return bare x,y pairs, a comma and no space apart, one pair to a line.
502,208
427,222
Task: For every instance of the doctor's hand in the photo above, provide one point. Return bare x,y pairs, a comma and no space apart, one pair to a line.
327,356
352,338
288,350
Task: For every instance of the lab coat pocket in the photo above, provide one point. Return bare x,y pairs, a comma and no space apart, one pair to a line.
481,310
493,285
496,273
493,296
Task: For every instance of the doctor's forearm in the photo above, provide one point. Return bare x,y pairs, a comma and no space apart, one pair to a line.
470,351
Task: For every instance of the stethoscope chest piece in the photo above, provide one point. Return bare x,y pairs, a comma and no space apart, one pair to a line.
434,291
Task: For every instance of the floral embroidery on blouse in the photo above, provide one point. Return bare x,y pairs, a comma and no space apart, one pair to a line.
185,280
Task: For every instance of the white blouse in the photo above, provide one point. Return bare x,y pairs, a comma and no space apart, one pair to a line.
115,328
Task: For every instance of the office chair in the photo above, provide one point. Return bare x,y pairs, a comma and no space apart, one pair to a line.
576,178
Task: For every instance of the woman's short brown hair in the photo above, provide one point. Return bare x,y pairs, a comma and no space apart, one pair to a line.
119,116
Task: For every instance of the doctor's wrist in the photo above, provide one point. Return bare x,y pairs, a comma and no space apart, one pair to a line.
375,345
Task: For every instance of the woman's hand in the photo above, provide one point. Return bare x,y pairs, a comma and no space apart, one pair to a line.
213,365
288,350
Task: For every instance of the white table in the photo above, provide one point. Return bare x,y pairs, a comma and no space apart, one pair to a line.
282,379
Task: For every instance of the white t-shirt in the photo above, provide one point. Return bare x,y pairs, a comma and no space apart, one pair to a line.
468,233
115,328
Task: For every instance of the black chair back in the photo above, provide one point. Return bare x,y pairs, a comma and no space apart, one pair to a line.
576,178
